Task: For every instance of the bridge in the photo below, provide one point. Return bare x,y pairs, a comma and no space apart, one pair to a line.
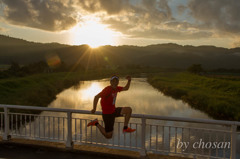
195,138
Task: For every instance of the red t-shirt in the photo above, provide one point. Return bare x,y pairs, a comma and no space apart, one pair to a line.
108,99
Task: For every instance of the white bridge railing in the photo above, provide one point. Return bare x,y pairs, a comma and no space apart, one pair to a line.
198,138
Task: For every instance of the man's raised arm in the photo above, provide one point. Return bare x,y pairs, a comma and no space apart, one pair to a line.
128,83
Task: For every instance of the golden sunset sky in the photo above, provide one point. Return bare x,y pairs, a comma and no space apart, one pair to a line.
123,22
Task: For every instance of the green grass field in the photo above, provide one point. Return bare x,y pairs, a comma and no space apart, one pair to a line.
218,98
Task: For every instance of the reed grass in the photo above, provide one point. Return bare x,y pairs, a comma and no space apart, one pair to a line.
219,98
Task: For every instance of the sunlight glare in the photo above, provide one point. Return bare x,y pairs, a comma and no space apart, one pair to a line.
90,92
93,34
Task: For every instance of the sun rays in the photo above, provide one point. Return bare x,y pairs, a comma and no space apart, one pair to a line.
92,33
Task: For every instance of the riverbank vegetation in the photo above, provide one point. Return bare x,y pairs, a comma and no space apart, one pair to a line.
41,89
218,98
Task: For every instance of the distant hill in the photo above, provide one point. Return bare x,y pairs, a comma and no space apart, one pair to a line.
24,52
161,55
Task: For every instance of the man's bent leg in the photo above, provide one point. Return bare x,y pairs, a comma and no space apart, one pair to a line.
127,112
106,132
108,120
107,135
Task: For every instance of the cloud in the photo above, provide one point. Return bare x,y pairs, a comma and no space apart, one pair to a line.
56,15
181,9
139,19
109,6
48,15
236,43
154,19
219,15
142,16
172,34
136,18
3,30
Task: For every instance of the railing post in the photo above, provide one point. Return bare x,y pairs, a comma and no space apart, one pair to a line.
6,124
143,149
69,143
233,141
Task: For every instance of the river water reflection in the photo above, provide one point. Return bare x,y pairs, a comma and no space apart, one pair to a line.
142,97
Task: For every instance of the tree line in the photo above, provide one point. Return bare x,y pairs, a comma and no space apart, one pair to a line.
16,70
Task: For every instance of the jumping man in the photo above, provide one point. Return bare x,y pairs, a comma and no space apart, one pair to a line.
109,112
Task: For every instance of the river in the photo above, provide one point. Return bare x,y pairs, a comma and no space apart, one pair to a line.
141,97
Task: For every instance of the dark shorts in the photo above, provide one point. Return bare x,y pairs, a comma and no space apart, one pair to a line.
109,119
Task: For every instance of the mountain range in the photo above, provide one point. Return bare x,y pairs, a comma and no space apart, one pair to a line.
160,55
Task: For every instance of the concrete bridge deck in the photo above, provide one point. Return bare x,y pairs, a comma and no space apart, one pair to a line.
29,149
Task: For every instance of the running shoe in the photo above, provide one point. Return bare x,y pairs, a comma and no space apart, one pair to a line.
92,123
128,130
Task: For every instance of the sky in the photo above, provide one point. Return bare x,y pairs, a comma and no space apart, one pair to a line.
123,22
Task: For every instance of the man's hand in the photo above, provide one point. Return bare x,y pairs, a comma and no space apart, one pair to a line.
93,111
128,83
128,78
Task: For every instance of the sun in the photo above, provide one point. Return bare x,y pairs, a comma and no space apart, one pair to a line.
92,33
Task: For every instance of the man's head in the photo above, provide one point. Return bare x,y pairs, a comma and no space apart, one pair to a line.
114,81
